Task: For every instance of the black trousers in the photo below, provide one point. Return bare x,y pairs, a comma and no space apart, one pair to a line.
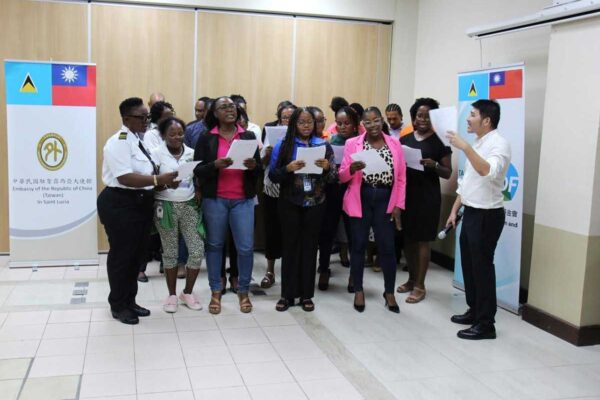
331,219
272,227
480,232
127,219
300,236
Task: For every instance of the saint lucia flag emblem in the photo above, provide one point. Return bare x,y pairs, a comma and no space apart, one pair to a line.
28,86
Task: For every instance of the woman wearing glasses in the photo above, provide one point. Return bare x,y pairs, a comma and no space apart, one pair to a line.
125,207
347,123
227,199
301,207
374,200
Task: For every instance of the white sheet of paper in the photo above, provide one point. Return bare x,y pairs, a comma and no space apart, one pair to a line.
413,158
309,155
274,134
444,119
186,170
338,153
241,150
375,164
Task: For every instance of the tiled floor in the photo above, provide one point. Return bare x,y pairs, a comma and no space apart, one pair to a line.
58,341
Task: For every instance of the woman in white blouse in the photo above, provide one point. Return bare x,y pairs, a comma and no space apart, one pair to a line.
176,212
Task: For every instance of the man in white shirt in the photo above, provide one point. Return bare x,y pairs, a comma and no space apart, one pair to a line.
480,192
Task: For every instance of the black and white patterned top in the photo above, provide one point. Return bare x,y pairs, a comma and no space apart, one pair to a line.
383,178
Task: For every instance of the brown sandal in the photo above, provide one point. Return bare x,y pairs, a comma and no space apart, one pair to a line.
245,304
214,307
268,280
416,295
406,287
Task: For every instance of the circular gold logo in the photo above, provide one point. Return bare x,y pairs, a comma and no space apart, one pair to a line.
52,151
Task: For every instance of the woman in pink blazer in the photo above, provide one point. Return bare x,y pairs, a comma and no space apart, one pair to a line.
374,200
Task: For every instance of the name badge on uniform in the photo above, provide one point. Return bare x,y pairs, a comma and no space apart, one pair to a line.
307,183
159,212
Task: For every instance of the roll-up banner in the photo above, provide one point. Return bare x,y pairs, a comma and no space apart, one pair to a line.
51,129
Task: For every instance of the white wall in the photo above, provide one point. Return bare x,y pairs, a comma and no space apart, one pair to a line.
404,49
443,50
569,159
374,10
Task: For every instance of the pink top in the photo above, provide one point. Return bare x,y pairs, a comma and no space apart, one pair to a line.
352,200
230,184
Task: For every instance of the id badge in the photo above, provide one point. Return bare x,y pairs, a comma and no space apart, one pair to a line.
307,183
159,212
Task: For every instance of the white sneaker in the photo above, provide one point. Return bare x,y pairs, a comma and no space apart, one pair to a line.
170,304
190,301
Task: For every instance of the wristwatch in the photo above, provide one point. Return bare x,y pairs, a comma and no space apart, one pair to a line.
437,164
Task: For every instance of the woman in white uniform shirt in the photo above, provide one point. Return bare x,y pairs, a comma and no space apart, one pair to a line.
125,207
176,213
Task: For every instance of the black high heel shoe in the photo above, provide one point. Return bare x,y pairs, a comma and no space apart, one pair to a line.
395,309
359,307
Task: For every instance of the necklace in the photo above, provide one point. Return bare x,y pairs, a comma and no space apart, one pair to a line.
177,156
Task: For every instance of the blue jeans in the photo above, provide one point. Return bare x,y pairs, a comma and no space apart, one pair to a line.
219,214
374,213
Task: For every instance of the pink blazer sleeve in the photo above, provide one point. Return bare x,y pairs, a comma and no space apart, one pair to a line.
399,186
344,171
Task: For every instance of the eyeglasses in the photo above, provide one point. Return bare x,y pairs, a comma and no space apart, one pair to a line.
144,117
224,107
305,123
374,122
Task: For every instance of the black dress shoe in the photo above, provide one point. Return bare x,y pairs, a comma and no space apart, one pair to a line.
142,277
140,311
464,319
478,331
126,316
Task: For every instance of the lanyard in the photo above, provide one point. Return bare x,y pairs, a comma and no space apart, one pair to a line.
154,167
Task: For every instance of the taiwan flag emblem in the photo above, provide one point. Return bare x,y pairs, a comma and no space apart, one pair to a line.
506,84
73,85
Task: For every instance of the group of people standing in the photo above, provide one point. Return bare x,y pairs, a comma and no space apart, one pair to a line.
211,214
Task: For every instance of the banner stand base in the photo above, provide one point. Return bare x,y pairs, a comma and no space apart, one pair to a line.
505,306
54,263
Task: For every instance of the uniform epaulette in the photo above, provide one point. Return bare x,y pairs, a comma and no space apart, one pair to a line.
122,135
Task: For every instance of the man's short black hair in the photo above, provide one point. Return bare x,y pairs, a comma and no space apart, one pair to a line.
488,109
128,104
393,107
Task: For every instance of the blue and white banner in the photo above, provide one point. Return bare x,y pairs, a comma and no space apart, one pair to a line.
51,129
507,86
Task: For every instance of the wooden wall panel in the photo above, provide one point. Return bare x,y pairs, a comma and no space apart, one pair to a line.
140,50
32,30
347,59
246,54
